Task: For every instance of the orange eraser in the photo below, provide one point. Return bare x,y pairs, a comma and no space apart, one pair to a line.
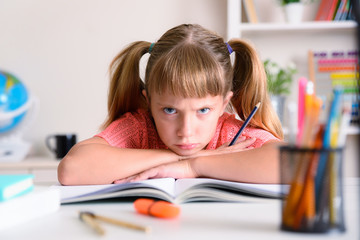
156,208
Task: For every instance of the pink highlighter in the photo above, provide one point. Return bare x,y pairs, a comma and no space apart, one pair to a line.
301,109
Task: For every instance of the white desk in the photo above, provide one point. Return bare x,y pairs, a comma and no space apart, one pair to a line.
218,221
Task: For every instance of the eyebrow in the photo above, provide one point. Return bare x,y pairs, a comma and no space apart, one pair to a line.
205,105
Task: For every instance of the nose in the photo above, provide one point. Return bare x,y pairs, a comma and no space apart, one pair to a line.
186,126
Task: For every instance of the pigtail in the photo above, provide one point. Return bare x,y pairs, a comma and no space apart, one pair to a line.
125,91
250,88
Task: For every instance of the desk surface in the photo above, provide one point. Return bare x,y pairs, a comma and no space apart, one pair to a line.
197,221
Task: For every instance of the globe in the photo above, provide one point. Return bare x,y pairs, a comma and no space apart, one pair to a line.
13,99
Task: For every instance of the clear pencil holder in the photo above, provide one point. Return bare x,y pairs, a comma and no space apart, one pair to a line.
313,190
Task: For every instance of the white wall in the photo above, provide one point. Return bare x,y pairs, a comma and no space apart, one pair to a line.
61,50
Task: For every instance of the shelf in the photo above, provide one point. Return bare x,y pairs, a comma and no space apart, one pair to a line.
44,169
31,163
321,26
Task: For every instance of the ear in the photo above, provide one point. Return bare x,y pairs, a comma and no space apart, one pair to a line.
145,95
227,100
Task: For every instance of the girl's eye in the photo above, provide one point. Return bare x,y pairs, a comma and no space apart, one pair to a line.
204,110
169,110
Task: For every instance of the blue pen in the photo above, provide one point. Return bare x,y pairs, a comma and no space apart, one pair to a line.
334,111
245,124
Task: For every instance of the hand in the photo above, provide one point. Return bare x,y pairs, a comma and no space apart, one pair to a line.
241,144
183,168
180,169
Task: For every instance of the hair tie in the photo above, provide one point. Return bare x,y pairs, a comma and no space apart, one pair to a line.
151,47
229,48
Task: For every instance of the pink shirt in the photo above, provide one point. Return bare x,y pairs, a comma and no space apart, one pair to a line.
137,130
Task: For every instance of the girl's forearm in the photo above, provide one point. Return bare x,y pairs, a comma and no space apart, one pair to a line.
260,165
95,163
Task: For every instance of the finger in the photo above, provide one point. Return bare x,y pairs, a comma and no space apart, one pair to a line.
239,140
126,180
147,174
245,143
119,181
134,178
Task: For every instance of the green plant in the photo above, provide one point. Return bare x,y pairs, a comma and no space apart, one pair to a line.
285,2
279,79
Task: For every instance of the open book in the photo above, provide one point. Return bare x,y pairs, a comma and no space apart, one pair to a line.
171,190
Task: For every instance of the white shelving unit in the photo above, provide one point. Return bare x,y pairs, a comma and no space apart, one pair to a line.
236,28
284,42
303,27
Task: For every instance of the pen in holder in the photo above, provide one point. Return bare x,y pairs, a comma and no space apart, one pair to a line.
314,185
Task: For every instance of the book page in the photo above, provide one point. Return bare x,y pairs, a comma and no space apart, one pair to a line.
70,192
265,190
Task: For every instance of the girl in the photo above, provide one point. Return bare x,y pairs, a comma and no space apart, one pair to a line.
177,122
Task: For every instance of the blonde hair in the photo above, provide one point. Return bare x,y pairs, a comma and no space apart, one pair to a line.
191,61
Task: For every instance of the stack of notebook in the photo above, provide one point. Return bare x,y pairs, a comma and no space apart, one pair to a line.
20,201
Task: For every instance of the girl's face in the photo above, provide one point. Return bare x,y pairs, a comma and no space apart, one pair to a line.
186,125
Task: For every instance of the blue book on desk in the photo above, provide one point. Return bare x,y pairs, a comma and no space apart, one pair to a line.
14,185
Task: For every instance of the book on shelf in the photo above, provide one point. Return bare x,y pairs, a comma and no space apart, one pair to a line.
250,11
14,185
334,10
172,190
38,203
324,10
341,10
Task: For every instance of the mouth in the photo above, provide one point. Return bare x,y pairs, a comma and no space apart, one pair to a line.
189,146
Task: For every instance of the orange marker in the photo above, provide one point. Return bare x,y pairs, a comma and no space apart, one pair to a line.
156,208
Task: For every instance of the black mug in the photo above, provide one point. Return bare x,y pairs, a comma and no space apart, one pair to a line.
60,144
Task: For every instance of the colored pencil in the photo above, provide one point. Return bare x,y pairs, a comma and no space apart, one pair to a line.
245,124
89,220
111,221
